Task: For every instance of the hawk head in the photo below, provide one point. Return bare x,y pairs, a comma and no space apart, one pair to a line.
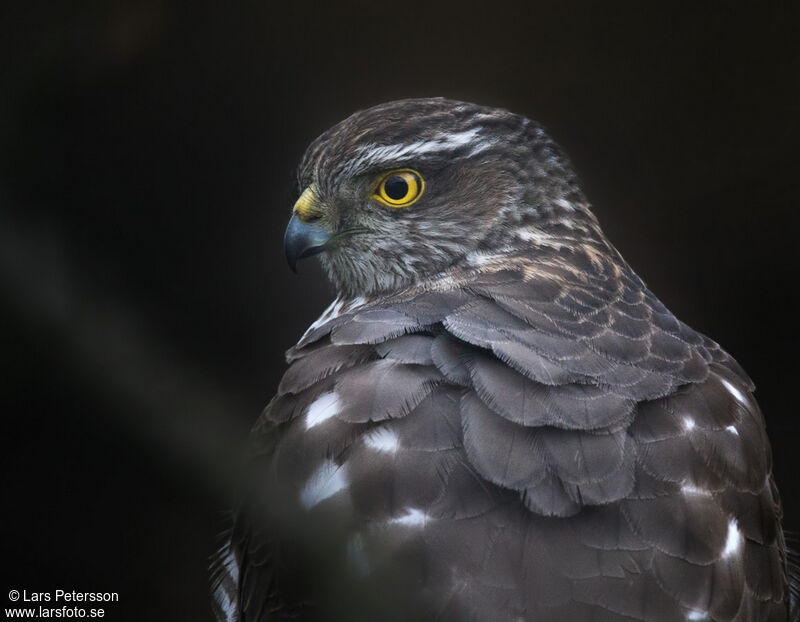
401,192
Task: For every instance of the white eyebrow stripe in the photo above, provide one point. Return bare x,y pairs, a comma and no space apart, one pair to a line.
372,154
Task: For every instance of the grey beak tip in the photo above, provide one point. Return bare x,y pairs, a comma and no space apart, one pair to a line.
303,240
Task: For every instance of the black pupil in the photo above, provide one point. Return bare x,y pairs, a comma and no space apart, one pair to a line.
396,188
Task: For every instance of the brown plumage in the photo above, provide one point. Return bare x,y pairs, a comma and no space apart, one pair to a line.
495,420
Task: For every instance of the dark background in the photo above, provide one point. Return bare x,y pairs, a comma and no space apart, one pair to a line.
146,174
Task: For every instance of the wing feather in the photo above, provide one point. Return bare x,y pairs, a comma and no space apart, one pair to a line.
535,443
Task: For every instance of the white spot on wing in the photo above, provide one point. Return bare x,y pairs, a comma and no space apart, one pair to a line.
225,604
688,423
689,489
740,397
326,481
695,614
336,308
331,312
734,540
356,302
324,407
732,429
224,598
382,439
412,518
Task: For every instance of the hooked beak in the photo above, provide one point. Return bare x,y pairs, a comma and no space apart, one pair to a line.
302,237
303,240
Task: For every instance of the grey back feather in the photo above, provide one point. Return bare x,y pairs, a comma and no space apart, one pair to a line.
530,445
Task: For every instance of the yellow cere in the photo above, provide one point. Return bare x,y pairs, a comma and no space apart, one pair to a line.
400,188
306,207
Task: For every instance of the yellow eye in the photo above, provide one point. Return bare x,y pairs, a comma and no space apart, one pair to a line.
400,188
